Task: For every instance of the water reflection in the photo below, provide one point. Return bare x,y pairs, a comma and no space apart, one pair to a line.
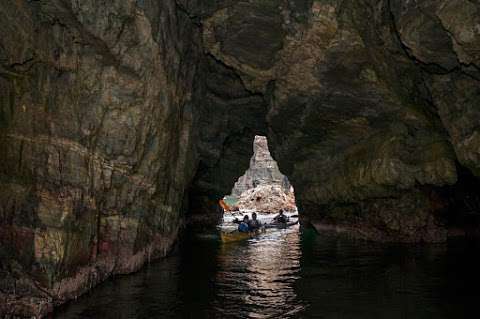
280,276
256,279
152,293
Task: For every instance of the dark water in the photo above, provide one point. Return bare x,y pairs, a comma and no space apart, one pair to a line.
291,274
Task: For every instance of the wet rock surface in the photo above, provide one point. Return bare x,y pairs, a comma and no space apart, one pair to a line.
96,118
115,117
355,115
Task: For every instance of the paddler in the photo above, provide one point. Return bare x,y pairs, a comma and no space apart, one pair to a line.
281,217
254,223
243,226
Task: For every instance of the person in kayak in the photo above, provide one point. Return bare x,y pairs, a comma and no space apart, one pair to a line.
254,223
243,226
281,218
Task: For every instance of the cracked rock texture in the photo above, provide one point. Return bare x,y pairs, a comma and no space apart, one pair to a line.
267,199
96,118
263,187
263,170
116,116
371,104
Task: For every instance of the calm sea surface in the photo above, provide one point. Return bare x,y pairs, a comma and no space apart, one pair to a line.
294,273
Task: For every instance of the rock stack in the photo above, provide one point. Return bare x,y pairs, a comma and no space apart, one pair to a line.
263,187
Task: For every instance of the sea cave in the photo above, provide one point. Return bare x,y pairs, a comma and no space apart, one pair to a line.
133,132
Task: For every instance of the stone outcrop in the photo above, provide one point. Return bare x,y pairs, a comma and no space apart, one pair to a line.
361,115
263,170
96,142
267,199
115,116
263,187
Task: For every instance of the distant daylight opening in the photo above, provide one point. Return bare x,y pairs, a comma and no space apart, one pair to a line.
262,197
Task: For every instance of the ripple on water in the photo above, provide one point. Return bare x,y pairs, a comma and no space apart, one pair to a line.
259,277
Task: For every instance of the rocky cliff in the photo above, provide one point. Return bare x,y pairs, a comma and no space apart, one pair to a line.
263,170
96,126
370,104
263,187
115,116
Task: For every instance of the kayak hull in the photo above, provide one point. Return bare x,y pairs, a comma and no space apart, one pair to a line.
281,225
228,237
237,236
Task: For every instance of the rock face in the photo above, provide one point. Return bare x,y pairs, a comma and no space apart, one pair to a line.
263,170
263,187
96,142
368,120
267,199
115,116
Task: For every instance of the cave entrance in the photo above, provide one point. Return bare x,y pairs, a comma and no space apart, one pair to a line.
262,189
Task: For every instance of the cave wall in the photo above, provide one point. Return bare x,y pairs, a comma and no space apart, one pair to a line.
97,144
371,104
229,117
